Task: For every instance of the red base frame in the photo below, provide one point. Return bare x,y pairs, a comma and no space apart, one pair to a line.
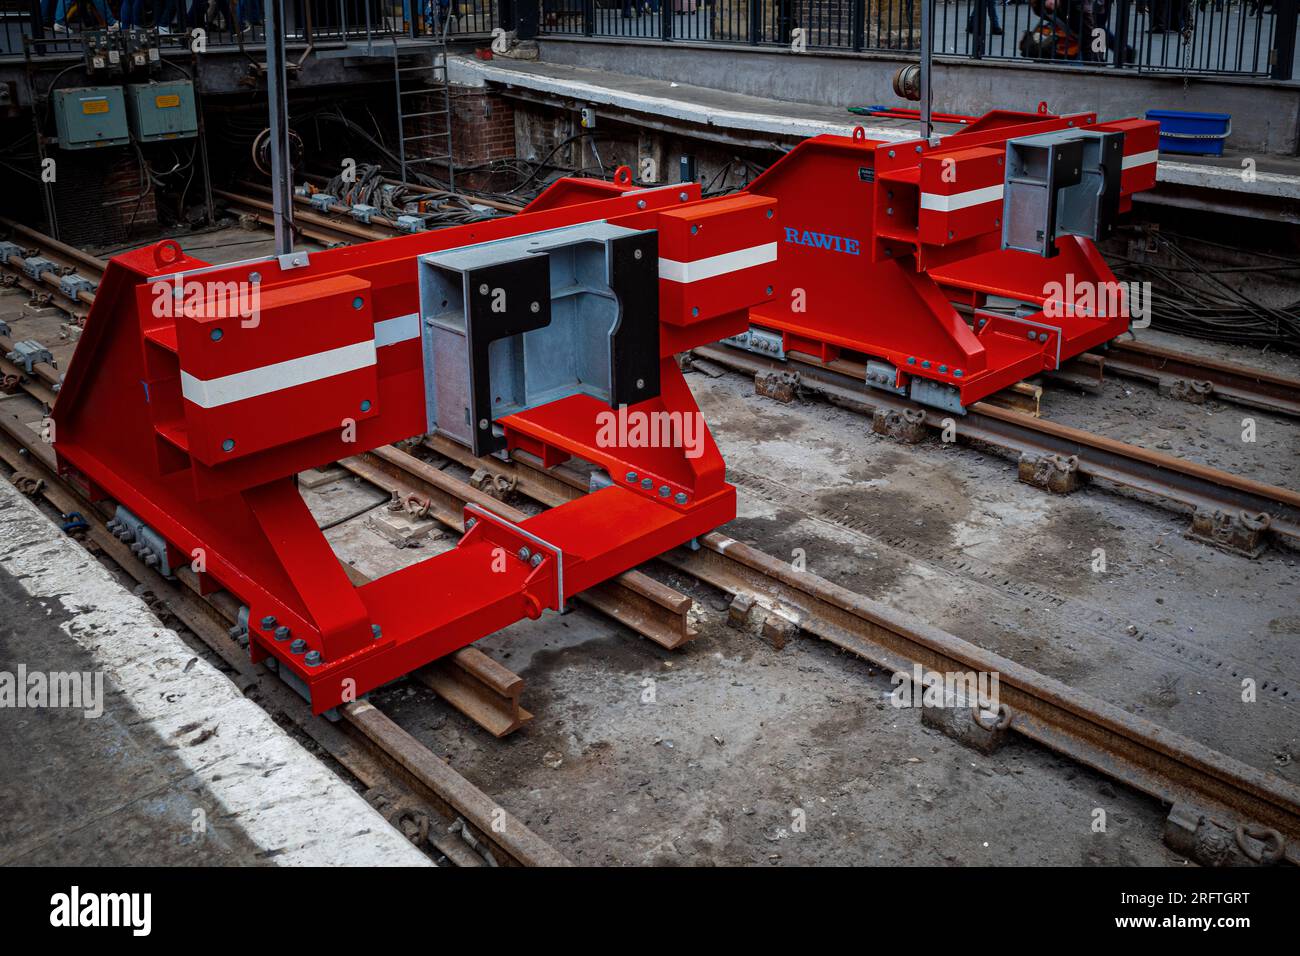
150,403
879,240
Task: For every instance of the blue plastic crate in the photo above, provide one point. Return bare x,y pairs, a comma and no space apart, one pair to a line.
1202,134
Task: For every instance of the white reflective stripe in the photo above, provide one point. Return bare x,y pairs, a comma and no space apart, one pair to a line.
1141,159
971,197
698,269
238,386
397,329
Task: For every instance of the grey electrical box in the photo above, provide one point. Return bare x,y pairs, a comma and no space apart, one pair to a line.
160,111
87,117
1060,184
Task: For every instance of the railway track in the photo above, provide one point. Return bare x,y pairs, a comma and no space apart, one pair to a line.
1177,484
1173,769
1167,766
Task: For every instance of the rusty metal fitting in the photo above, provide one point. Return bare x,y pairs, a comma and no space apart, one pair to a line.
1190,831
1058,474
1239,532
907,426
1195,391
777,384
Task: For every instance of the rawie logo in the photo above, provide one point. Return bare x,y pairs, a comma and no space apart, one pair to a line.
822,240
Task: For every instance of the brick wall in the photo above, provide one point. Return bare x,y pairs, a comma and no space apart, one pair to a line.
482,129
97,194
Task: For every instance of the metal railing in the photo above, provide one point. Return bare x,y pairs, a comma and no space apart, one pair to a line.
1228,37
232,22
1234,37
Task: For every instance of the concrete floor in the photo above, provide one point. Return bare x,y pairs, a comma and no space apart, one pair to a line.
157,758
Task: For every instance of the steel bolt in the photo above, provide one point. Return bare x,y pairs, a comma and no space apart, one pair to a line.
637,254
694,228
255,277
911,360
957,372
281,633
925,364
524,554
680,497
535,560
682,196
376,631
268,622
358,302
647,483
365,405
1030,336
769,214
228,445
631,476
299,646
483,289
216,334
470,522
534,307
891,154
312,659
695,310
1042,336
943,368
769,290
640,204
664,491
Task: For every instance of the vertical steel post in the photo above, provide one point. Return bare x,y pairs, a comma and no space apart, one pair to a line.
927,56
277,101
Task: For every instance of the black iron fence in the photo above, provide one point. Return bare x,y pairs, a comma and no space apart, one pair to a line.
1232,37
56,23
1237,37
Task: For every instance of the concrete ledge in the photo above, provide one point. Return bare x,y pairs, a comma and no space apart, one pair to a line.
1276,177
176,745
1266,113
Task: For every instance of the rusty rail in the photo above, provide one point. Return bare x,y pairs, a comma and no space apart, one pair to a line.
1182,485
1129,749
1170,369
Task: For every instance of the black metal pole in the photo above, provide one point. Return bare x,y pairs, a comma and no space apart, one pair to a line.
277,101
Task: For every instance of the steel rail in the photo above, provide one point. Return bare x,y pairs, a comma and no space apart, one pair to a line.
366,742
637,601
1239,384
349,232
1127,748
1183,485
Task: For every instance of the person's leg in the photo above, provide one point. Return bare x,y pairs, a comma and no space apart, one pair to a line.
105,12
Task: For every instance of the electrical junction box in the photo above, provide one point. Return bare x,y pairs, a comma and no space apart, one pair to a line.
90,116
159,111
